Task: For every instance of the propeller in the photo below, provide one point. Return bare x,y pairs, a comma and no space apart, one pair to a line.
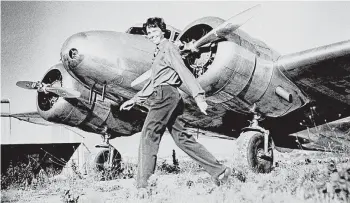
220,31
28,85
141,78
42,87
225,28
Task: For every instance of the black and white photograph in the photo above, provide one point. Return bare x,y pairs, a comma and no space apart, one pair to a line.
175,101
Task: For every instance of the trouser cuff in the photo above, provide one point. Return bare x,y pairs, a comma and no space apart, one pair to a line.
141,183
219,172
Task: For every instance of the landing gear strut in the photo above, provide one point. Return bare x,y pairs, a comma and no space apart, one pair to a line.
255,147
108,160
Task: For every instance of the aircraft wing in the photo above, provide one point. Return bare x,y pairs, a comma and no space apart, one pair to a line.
31,117
323,75
323,72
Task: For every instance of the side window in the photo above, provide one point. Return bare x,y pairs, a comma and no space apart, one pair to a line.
176,35
141,31
136,31
167,34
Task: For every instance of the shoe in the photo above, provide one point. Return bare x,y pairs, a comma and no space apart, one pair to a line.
239,175
220,181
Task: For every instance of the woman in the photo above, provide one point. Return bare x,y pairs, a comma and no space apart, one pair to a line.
168,73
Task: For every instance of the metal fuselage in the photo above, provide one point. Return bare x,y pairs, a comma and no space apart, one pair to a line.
235,80
110,58
237,73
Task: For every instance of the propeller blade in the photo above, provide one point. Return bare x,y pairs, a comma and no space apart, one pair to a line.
41,87
227,27
28,85
63,92
141,78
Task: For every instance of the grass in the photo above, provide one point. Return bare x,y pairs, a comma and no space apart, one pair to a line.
299,177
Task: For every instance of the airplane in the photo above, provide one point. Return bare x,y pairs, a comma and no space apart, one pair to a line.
255,95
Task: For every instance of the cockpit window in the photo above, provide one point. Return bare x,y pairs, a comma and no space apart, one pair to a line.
176,35
167,34
141,31
136,31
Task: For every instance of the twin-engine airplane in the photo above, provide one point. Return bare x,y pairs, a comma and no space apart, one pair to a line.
244,79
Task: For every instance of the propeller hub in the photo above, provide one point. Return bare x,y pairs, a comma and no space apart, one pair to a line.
47,100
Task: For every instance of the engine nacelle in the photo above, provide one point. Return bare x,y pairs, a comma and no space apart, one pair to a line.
97,117
57,109
226,67
239,71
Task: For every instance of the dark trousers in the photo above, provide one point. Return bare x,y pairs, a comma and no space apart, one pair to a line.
166,107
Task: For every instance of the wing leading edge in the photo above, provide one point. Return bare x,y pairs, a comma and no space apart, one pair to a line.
31,117
321,71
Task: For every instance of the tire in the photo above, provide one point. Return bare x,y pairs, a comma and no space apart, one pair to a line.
100,165
250,143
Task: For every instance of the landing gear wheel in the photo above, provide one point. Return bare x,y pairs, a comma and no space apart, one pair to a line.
251,152
106,171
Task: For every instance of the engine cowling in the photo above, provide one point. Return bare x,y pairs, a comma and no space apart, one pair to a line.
201,64
97,116
238,71
57,109
226,67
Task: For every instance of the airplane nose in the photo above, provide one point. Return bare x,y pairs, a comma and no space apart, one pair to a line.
72,58
71,54
104,57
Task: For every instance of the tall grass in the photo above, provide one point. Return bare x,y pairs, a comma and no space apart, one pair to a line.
299,177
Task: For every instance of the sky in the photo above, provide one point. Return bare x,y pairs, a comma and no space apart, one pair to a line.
32,33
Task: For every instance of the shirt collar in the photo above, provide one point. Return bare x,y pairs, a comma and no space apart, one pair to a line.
161,44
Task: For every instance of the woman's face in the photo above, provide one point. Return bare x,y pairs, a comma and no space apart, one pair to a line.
155,34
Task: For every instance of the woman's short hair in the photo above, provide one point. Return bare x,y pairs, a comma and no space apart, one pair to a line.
155,22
